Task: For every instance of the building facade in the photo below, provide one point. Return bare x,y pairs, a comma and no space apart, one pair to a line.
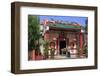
63,35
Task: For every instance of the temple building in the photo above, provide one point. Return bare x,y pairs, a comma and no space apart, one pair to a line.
62,34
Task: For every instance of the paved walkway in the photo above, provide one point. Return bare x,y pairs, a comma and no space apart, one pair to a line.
58,57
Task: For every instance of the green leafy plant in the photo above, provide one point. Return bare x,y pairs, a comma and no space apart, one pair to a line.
33,32
46,48
85,49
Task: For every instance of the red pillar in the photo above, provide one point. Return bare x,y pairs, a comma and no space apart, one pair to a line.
57,45
81,44
81,40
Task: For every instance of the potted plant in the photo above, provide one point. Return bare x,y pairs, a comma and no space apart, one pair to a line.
33,36
52,50
46,48
85,50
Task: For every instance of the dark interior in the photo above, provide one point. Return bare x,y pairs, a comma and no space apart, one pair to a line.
62,45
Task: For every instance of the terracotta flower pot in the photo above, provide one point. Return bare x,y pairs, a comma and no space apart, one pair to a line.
33,54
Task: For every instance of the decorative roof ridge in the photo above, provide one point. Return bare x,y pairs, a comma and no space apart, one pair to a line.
64,23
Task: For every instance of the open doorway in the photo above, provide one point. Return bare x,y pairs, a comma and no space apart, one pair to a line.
62,45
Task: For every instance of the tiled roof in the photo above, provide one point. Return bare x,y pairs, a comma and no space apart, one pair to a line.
63,26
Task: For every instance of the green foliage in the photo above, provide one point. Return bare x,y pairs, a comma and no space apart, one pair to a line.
52,51
85,49
46,48
78,48
33,31
86,28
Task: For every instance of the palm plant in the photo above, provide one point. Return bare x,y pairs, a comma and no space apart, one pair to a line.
33,32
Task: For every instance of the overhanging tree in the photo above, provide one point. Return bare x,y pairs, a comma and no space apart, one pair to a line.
33,32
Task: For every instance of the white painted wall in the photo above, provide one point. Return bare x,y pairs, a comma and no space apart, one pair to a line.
5,33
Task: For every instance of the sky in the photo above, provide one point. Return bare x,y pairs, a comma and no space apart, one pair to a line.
79,20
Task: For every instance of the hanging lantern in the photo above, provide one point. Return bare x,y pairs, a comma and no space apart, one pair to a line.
47,28
41,27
